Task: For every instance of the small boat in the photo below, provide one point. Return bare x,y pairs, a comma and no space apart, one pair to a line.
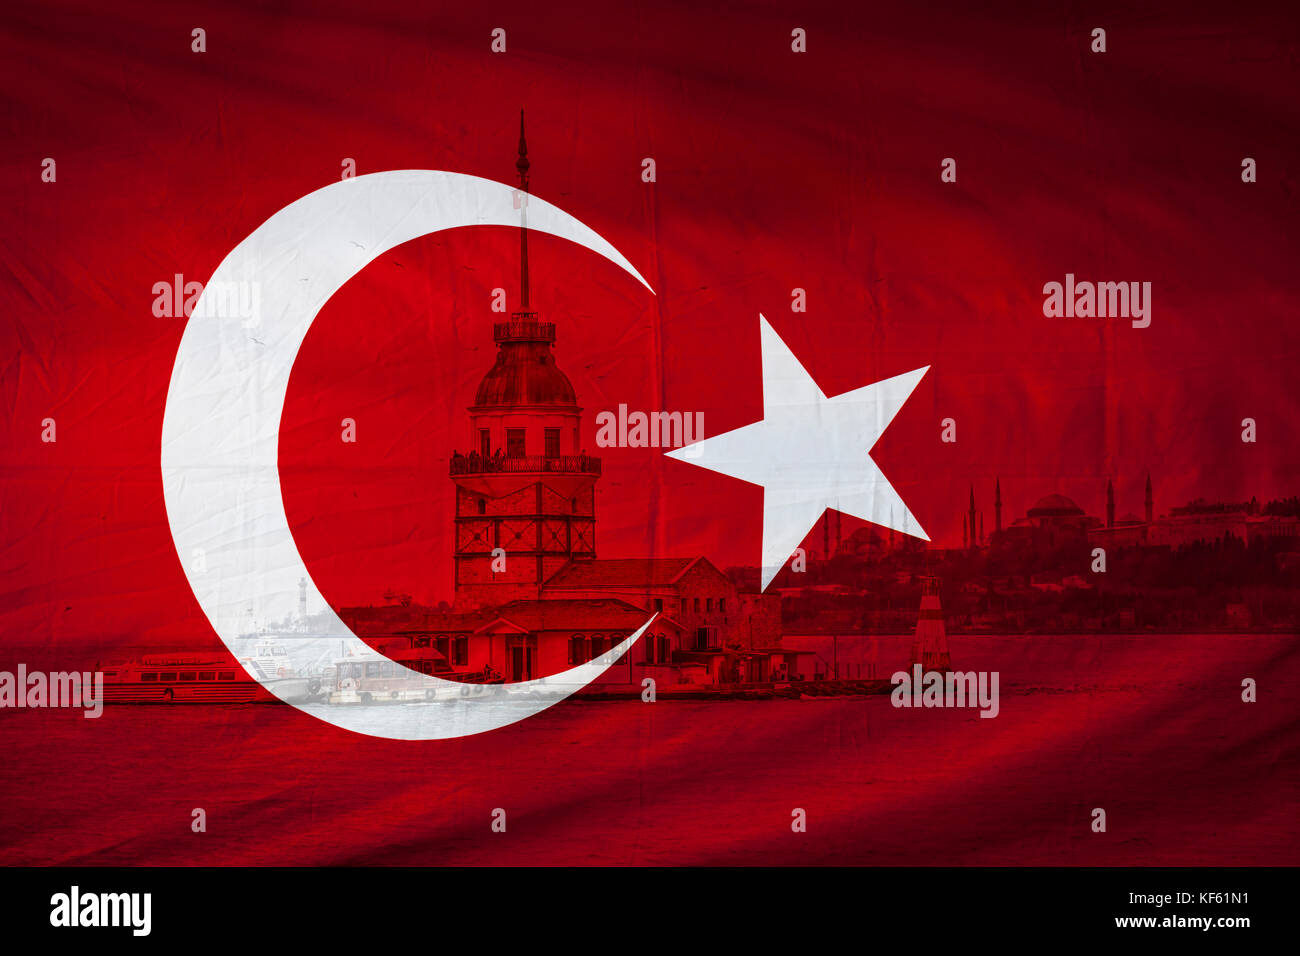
402,678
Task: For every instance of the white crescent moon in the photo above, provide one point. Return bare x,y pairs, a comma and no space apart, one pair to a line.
221,426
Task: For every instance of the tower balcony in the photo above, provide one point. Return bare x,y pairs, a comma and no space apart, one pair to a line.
525,464
523,327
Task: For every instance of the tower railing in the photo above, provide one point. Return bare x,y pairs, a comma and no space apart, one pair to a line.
523,330
508,464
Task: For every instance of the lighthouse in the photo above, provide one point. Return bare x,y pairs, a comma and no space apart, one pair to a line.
930,646
525,492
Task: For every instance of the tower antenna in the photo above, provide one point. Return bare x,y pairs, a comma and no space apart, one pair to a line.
521,165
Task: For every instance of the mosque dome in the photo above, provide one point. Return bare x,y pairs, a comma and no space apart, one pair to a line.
1055,506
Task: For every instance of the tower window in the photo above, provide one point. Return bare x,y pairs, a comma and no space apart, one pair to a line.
515,442
485,443
552,443
482,506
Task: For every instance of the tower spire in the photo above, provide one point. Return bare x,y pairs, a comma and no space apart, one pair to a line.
521,166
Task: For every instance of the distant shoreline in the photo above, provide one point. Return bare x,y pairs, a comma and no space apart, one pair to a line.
1132,632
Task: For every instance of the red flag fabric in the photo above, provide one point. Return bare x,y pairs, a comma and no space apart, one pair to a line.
789,163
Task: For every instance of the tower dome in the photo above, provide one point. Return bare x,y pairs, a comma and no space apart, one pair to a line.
525,373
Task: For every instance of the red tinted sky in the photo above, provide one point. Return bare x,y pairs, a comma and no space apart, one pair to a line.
775,170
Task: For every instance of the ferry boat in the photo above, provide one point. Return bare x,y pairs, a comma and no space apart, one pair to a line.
210,679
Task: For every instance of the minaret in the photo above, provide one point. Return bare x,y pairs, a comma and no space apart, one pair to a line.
997,506
972,516
1110,504
525,494
1150,502
302,599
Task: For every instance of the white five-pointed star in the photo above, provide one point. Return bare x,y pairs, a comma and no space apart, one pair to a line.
810,452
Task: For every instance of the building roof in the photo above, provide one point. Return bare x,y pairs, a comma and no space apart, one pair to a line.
621,572
1051,506
562,615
